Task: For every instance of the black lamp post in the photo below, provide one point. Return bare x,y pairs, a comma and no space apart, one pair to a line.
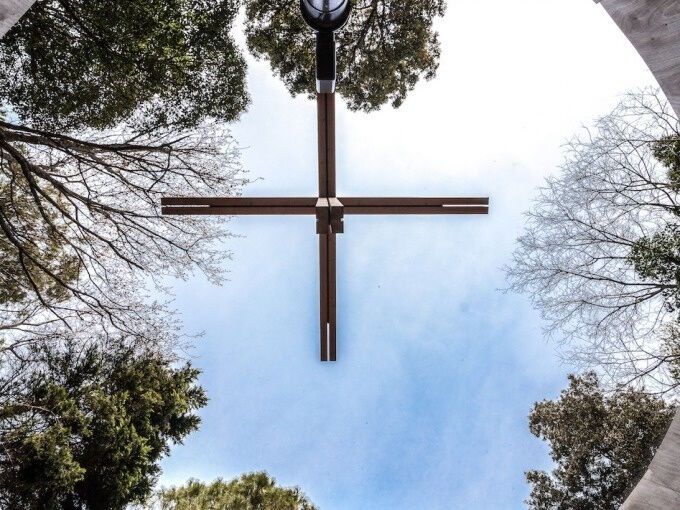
326,17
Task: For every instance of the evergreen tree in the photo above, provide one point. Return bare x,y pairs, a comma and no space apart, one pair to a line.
601,445
253,491
110,106
84,427
657,256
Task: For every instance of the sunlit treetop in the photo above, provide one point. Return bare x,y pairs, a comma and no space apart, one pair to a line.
385,48
91,63
249,491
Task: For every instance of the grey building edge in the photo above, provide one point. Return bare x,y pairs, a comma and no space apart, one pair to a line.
10,12
653,27
659,488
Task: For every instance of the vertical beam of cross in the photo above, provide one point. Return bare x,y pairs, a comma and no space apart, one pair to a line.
329,211
327,241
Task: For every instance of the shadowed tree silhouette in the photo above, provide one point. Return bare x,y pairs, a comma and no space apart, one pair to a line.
69,64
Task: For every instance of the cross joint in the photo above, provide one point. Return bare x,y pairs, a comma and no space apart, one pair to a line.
329,216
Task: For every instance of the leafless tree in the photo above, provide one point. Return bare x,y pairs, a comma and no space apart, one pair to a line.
574,257
82,240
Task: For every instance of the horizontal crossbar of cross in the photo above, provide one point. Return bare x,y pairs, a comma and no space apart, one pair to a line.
308,205
329,211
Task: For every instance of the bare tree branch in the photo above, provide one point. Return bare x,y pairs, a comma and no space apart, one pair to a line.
82,238
574,257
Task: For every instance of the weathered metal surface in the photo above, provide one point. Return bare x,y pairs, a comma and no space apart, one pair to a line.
324,314
327,297
239,201
417,201
237,211
337,214
653,27
335,207
415,209
332,299
10,12
326,128
323,216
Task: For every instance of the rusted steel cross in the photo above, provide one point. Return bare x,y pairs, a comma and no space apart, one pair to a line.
329,211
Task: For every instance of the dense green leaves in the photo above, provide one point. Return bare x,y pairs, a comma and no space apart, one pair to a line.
43,469
74,63
111,106
85,427
386,47
667,152
20,275
601,445
657,256
253,491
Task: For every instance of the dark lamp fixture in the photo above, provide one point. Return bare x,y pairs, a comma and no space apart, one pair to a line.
325,17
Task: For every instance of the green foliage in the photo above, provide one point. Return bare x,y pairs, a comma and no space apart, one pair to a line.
74,63
43,469
20,276
601,445
85,427
667,152
253,491
386,47
658,257
671,344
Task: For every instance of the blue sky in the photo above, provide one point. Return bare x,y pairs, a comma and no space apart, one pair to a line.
427,404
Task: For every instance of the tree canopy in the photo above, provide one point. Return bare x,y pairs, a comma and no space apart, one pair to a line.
252,491
69,64
599,254
95,200
385,49
112,105
84,427
20,276
656,256
601,445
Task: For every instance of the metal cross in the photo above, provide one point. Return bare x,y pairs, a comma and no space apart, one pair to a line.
329,211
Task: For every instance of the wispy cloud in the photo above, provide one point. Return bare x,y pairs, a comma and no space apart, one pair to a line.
427,405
